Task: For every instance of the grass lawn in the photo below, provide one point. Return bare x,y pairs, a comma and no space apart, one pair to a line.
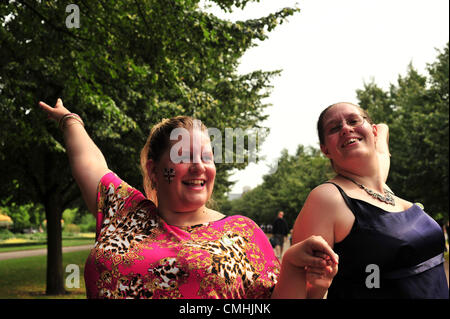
26,277
16,244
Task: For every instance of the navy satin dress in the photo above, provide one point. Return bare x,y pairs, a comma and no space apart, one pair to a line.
390,255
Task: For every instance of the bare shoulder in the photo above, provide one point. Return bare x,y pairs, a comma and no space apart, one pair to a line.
318,214
325,196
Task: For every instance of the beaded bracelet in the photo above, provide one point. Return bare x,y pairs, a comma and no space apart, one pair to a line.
67,116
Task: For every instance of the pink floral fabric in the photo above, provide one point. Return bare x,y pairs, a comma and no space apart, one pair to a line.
138,255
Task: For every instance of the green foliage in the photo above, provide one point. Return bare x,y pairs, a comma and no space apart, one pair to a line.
5,234
416,109
129,65
286,189
87,224
72,229
69,215
23,216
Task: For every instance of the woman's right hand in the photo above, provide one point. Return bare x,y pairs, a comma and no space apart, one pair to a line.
55,113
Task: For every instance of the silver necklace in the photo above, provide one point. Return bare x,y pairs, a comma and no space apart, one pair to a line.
388,198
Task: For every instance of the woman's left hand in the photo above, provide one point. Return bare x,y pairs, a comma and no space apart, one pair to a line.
307,253
321,277
313,253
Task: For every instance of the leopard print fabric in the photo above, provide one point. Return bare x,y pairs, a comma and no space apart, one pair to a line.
138,255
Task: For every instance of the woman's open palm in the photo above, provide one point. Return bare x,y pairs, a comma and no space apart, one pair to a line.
56,112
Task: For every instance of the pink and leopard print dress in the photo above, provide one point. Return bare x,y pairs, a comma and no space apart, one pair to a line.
138,255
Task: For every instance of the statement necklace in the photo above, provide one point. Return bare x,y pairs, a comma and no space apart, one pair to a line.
388,198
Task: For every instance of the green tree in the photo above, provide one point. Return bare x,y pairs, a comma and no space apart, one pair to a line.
417,112
287,188
130,64
24,216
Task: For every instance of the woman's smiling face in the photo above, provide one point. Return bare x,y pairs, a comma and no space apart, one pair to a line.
347,133
184,175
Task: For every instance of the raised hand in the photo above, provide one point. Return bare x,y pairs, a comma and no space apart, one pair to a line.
86,160
56,112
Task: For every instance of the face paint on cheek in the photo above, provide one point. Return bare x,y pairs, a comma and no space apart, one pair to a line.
169,174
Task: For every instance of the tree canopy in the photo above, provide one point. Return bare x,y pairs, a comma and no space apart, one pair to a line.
416,109
286,189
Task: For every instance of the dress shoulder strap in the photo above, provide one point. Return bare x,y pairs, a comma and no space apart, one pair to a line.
347,199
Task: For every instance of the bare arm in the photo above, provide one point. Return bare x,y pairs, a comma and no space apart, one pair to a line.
291,282
382,147
317,218
86,160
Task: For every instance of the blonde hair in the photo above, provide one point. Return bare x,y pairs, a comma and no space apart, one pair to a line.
157,143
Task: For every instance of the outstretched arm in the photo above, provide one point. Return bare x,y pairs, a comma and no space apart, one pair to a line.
86,160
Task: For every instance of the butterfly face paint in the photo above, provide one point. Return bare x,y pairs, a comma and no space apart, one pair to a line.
169,174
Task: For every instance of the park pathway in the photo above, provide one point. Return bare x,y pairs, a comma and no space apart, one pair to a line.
40,252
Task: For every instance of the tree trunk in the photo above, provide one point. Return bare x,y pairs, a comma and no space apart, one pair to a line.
55,275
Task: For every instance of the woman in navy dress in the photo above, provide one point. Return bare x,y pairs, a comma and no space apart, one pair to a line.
388,247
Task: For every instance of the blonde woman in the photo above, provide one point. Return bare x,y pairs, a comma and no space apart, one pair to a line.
168,243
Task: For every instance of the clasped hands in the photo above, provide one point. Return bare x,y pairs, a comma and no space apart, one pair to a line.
317,258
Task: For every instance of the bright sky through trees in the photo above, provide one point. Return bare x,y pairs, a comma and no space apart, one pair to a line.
327,52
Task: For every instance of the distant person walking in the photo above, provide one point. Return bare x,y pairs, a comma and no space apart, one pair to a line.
280,230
